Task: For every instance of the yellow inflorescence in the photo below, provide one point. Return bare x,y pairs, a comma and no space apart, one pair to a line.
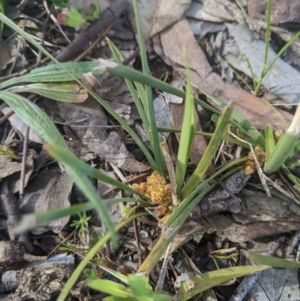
250,164
277,134
158,191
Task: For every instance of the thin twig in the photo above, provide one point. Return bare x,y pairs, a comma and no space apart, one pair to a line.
138,242
4,118
23,168
92,32
261,175
43,37
163,272
55,21
10,208
99,38
169,163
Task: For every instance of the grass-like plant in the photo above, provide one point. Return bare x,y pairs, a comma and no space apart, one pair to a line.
140,85
257,83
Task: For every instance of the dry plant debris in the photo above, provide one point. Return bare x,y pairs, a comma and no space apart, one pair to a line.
222,41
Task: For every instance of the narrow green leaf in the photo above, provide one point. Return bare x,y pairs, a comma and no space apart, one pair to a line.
282,151
295,151
241,121
270,143
110,287
118,56
54,73
140,287
187,205
209,152
200,283
267,44
30,221
114,298
90,192
2,10
162,296
187,132
126,72
65,92
66,157
110,110
293,178
35,118
116,274
4,150
153,133
272,261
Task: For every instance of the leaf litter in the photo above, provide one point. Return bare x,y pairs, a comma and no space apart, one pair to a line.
260,222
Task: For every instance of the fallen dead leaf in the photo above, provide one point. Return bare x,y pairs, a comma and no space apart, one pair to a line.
264,217
160,14
202,76
8,167
49,190
286,87
94,135
17,123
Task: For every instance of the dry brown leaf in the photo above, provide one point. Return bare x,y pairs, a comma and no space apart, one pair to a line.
242,233
281,80
115,210
217,10
196,11
7,167
49,190
95,137
283,11
173,41
14,182
17,123
12,169
160,14
264,217
273,282
259,207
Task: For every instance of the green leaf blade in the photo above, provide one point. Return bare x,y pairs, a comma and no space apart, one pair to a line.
272,261
187,133
209,152
270,143
35,118
74,18
140,287
110,287
200,283
64,92
54,73
70,159
282,151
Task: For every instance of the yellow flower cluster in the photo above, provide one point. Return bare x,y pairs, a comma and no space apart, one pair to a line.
250,164
277,134
158,191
